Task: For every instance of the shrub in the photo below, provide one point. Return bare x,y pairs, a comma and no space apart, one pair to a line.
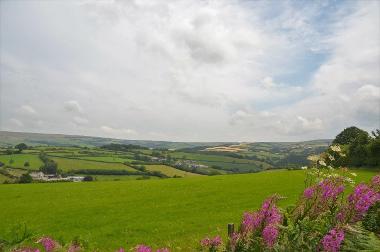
25,178
88,178
371,221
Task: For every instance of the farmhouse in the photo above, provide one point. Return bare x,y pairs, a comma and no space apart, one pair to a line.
40,176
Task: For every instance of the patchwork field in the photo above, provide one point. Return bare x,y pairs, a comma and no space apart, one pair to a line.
169,171
170,212
67,164
18,161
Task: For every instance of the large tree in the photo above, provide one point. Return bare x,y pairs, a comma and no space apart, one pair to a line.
21,147
349,135
49,167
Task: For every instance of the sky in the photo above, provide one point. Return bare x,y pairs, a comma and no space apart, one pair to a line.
190,70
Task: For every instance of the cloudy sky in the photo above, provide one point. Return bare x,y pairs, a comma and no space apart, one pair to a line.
190,70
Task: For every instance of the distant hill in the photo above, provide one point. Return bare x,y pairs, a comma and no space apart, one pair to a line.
8,138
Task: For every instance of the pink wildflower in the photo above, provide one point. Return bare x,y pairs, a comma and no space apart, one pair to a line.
273,216
333,240
143,248
270,234
206,242
251,221
330,189
269,212
375,182
121,250
211,243
362,198
308,193
216,241
48,243
235,237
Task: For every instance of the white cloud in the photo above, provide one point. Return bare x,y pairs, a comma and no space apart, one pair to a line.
80,120
191,70
27,110
117,132
16,122
73,106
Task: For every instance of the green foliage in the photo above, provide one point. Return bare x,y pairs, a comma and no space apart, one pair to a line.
15,235
88,178
348,135
123,147
359,239
361,149
25,178
371,221
21,147
49,167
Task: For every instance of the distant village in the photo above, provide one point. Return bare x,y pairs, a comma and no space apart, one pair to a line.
40,176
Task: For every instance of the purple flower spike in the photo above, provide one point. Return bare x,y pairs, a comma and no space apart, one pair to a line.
48,243
270,234
333,240
308,193
143,248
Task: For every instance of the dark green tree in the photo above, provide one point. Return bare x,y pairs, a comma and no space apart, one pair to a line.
49,167
88,178
348,135
25,178
21,147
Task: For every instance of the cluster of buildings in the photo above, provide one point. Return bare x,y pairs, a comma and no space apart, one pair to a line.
158,159
40,176
189,164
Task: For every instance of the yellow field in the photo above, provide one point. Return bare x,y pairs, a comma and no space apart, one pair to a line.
169,171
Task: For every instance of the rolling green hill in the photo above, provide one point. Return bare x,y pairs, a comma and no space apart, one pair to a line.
8,138
89,153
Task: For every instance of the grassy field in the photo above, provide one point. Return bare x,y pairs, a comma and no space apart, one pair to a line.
170,212
109,159
169,171
19,160
66,164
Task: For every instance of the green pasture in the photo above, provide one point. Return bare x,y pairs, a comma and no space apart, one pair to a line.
208,157
235,166
19,160
68,164
169,171
164,212
109,159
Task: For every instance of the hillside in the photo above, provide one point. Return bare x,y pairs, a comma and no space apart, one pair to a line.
198,157
8,138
